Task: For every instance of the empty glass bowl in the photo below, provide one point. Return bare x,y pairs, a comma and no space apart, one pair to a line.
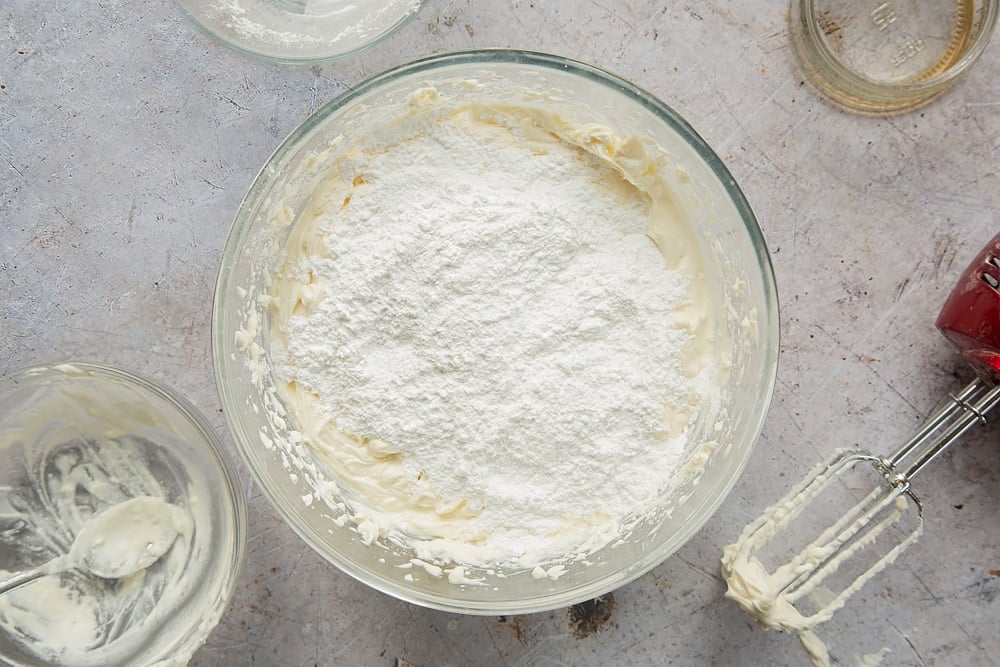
871,56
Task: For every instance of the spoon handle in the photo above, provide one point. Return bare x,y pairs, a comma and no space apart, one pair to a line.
22,578
58,564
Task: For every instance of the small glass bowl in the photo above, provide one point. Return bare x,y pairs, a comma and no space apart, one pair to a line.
876,57
299,31
77,438
743,307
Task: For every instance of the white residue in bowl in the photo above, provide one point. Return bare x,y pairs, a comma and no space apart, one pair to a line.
301,28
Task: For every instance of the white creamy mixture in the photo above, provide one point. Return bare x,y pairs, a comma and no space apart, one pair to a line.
492,328
129,536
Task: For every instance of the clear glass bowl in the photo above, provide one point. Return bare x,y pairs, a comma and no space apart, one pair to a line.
299,31
76,439
883,58
736,260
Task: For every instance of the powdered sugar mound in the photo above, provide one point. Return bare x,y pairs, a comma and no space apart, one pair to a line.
498,316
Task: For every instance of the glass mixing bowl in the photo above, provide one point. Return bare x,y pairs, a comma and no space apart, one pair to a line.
743,308
299,31
77,439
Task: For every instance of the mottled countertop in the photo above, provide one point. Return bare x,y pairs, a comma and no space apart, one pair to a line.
127,140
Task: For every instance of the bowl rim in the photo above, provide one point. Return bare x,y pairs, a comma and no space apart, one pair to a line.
212,444
188,8
768,322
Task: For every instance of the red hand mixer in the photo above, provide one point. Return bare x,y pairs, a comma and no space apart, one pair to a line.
970,319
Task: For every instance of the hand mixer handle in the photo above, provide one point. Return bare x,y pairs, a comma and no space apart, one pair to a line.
970,318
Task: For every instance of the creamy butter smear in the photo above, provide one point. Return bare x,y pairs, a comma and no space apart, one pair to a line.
491,327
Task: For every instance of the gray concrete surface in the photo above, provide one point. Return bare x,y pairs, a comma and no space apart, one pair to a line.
127,140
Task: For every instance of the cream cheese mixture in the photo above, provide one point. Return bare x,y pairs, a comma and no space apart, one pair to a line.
491,326
129,536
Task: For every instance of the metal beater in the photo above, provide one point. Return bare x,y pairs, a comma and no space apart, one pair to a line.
970,319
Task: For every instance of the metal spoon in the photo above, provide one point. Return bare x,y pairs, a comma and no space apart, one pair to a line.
117,542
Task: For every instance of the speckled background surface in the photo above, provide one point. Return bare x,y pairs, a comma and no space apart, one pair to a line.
128,139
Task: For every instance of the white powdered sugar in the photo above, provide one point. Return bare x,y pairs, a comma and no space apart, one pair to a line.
497,315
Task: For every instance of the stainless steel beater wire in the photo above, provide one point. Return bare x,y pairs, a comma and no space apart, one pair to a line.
828,566
808,488
825,544
840,600
972,414
955,405
833,472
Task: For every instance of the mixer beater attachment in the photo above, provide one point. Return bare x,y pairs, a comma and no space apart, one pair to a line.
970,319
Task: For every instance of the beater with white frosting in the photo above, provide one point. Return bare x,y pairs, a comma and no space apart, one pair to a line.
970,319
